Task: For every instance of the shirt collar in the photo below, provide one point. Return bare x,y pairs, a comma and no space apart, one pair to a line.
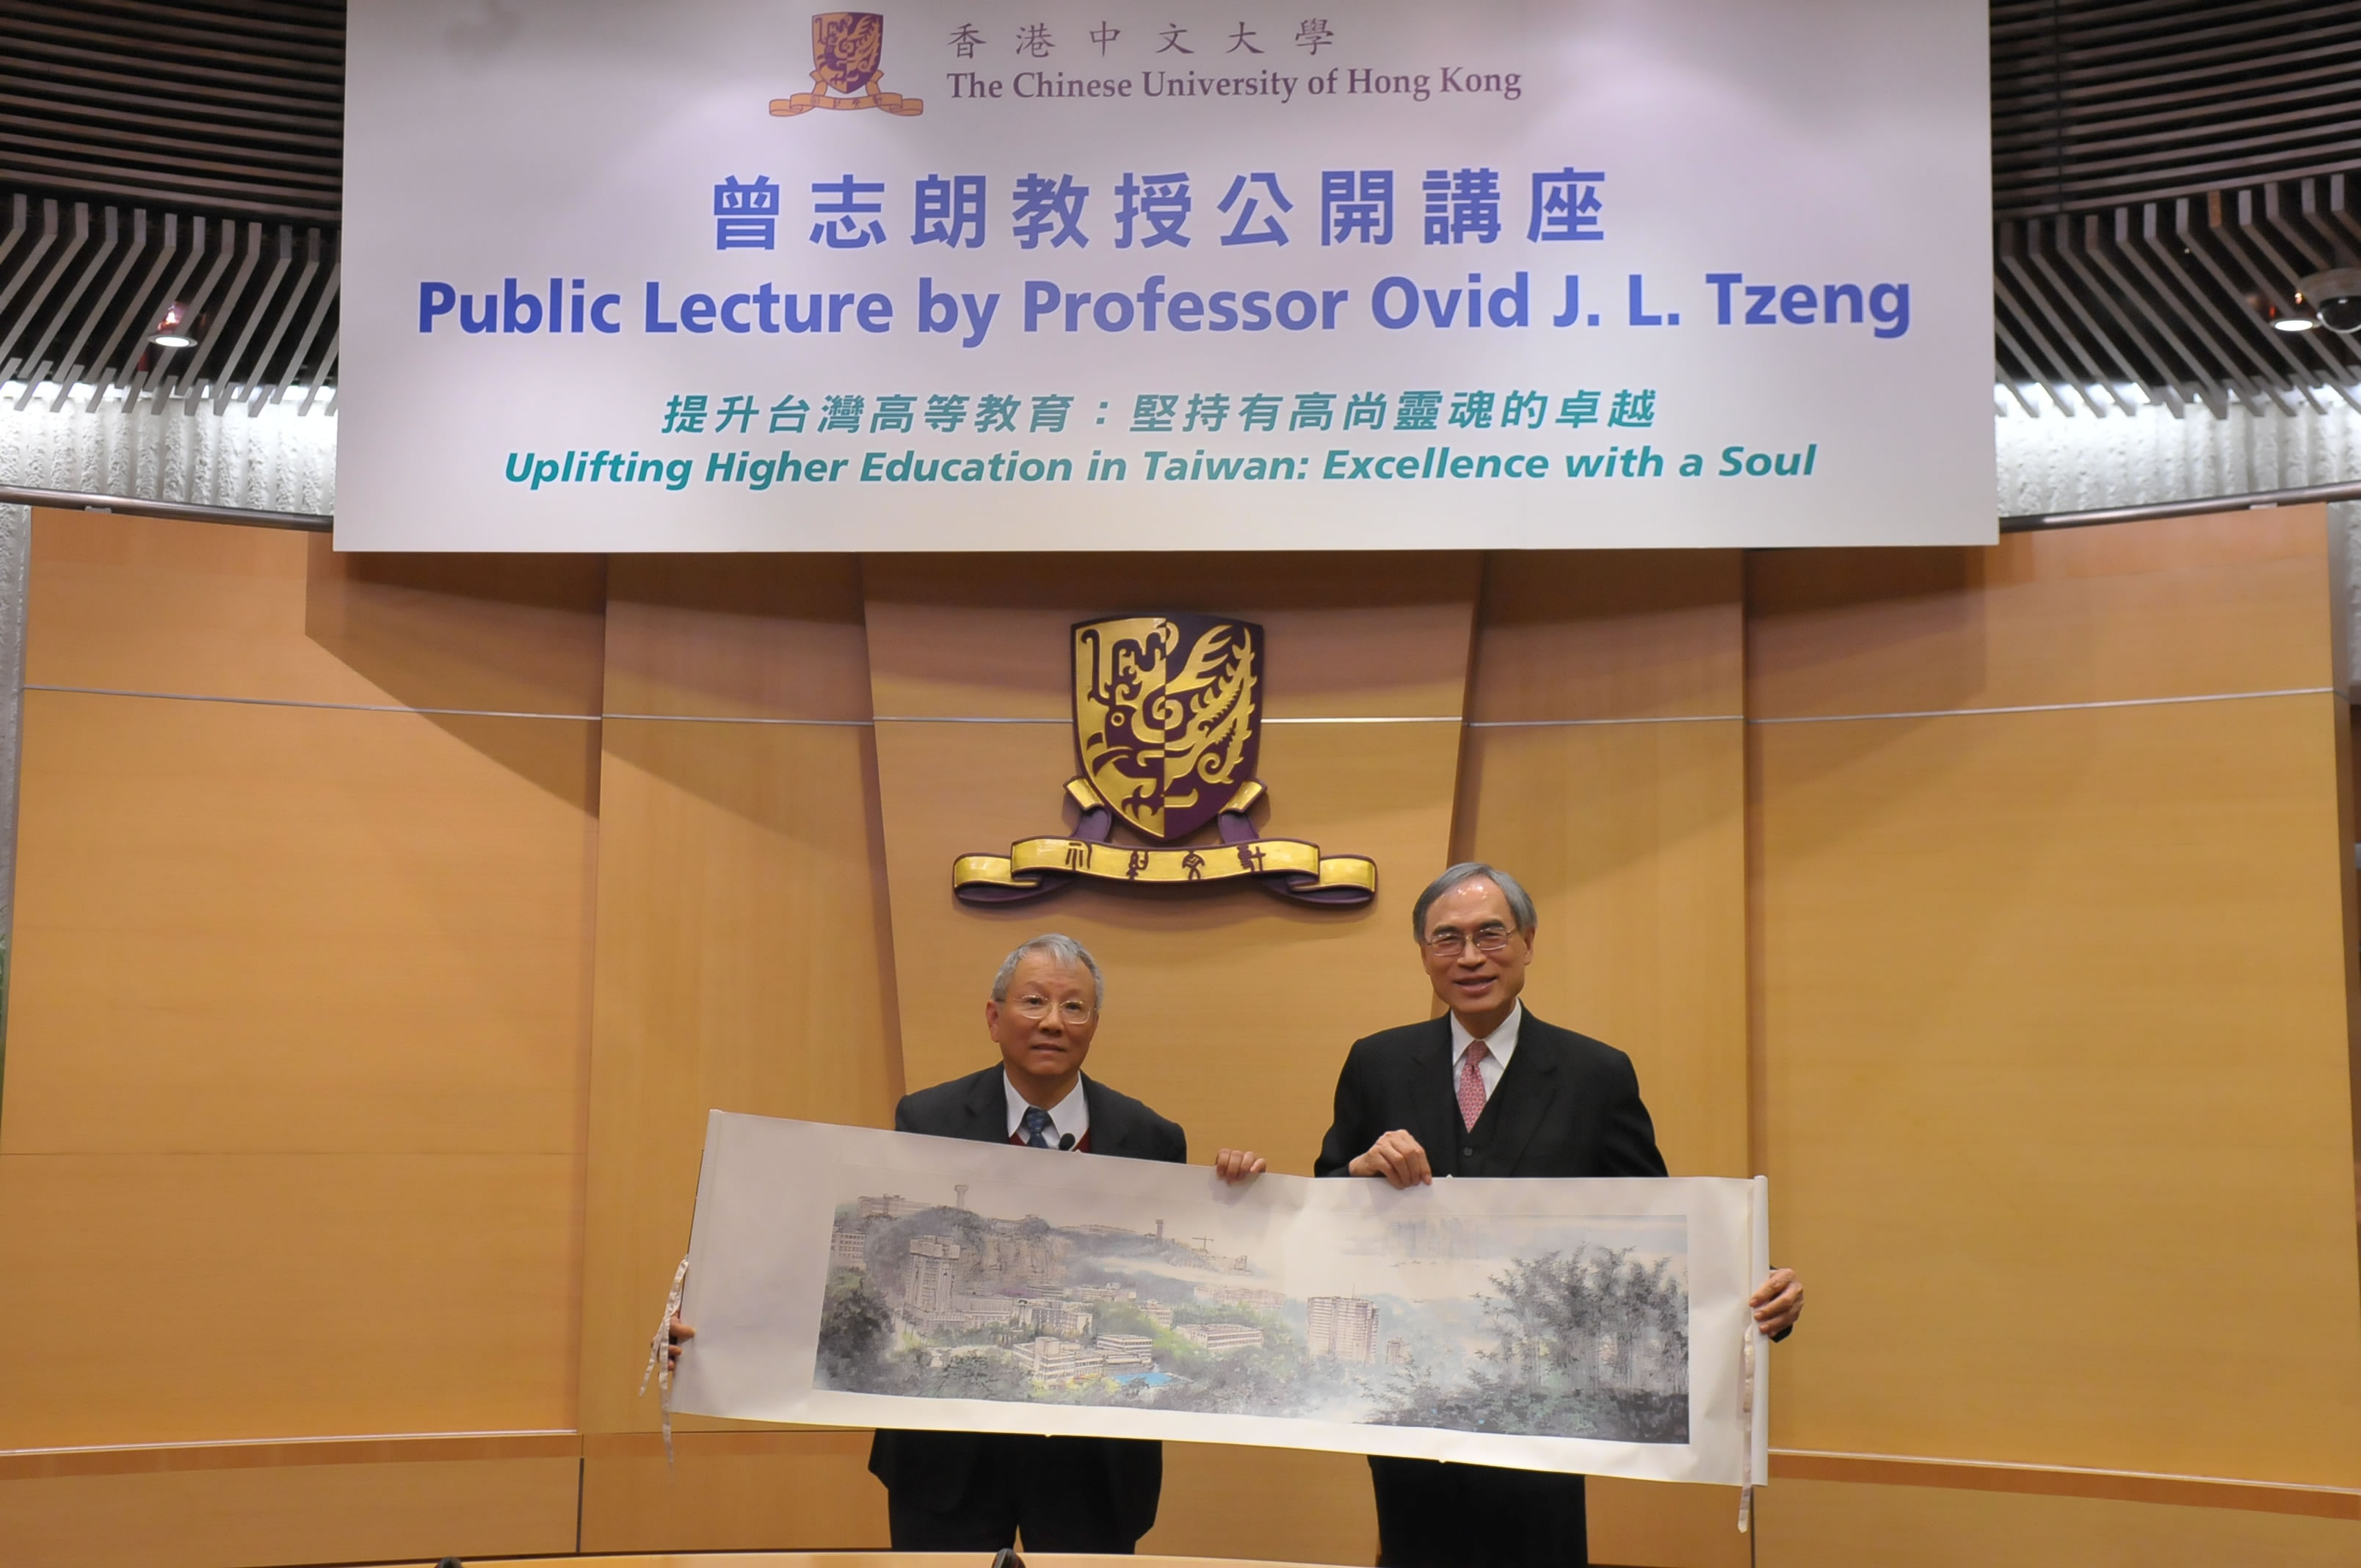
1071,1115
1501,1043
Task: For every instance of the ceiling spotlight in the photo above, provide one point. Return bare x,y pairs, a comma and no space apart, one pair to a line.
2292,324
172,329
2333,298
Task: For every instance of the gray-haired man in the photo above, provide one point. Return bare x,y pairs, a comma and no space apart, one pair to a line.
957,1491
973,1491
1489,1089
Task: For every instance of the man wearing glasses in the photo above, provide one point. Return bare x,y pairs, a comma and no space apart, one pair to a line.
1490,1090
956,1491
973,1491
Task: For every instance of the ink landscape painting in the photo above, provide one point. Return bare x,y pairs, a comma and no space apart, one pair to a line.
850,1276
1506,1324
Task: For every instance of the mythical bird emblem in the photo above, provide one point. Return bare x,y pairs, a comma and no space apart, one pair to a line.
846,46
1166,716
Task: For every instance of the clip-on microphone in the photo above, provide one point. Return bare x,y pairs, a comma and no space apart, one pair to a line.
1065,1143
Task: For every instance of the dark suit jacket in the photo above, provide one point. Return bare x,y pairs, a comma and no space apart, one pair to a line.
931,1469
1567,1105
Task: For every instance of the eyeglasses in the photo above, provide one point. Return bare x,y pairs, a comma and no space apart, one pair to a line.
1039,1007
1449,943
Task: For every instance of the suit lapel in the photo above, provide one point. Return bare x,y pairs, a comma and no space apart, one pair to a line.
1109,1133
1437,1125
987,1109
1526,1089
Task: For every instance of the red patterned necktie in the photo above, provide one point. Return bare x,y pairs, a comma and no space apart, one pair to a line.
1471,1084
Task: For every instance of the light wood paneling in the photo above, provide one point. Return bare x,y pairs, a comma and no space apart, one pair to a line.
148,604
300,994
737,637
1631,840
743,959
183,1298
301,1514
2182,607
1653,1524
256,929
1610,635
1825,1524
1210,989
2054,1019
1276,1504
731,1492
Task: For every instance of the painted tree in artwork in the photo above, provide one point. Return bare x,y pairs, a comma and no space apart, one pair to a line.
856,1331
1587,1343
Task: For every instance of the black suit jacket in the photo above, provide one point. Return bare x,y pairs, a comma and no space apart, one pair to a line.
1567,1105
931,1469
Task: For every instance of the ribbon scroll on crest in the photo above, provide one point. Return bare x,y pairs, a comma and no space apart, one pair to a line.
1289,867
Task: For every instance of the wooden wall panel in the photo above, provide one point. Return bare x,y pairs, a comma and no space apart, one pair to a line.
2054,1012
299,994
1605,768
189,1297
252,927
1275,1505
1610,635
147,604
2176,608
731,1491
1828,1524
742,946
291,1514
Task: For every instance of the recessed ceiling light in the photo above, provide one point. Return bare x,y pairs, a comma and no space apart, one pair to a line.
2294,323
171,328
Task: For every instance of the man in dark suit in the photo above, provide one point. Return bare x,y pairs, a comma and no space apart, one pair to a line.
1489,1089
954,1491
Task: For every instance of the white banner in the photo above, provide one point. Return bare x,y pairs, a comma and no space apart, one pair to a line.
727,275
839,1275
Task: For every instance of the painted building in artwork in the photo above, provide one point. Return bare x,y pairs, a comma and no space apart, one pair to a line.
1054,1358
1397,1353
1344,1327
982,1311
932,1282
847,1247
1050,1315
1124,1351
1221,1339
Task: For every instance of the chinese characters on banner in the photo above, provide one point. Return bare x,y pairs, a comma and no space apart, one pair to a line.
1545,276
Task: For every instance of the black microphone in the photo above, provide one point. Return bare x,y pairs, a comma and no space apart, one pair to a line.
1066,1143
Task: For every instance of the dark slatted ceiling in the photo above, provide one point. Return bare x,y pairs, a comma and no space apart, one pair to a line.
2097,102
224,108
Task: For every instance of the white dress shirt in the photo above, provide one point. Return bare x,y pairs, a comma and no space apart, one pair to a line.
1502,1044
1071,1115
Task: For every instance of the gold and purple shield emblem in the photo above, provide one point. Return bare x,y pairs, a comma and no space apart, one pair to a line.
1166,716
846,46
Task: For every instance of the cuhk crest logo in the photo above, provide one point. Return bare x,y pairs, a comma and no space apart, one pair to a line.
848,49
